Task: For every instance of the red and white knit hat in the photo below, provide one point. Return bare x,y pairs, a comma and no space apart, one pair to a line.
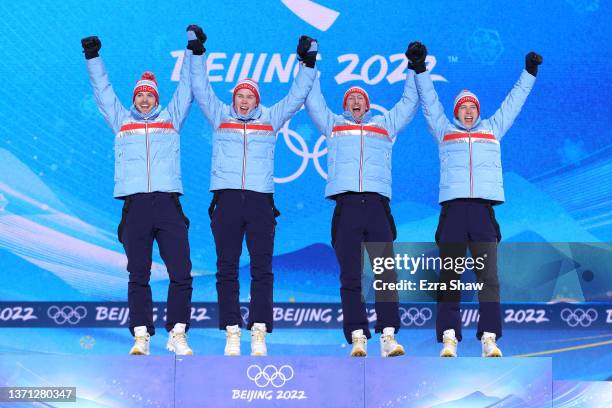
463,97
251,85
146,83
359,90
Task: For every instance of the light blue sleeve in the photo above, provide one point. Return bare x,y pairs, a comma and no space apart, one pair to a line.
109,105
179,105
284,109
512,105
210,105
403,112
318,111
432,108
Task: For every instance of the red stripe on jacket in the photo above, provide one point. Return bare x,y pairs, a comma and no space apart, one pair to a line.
248,126
154,125
372,129
454,136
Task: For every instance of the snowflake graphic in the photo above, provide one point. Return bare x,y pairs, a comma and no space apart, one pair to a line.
572,152
87,342
485,46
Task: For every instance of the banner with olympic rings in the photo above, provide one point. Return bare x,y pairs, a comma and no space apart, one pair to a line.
58,220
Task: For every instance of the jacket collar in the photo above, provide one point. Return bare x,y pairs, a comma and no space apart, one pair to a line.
252,115
462,126
136,114
364,119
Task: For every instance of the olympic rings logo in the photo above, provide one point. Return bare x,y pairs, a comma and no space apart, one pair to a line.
66,314
581,317
269,375
415,316
304,152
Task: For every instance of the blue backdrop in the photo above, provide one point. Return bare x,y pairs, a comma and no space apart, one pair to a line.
57,215
58,220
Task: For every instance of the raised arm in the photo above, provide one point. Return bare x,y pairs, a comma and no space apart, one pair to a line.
284,109
403,112
318,111
432,108
210,105
179,105
108,103
511,106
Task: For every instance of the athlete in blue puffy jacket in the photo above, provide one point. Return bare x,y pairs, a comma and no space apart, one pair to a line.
148,179
242,182
359,147
470,184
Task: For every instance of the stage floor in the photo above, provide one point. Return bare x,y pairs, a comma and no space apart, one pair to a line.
576,356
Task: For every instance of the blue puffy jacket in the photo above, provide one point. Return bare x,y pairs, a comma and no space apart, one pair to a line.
243,147
470,159
359,154
147,147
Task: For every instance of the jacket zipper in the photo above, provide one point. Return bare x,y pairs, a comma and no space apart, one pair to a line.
471,171
244,156
148,156
361,163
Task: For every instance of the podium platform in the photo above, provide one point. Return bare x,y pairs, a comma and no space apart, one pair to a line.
217,381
